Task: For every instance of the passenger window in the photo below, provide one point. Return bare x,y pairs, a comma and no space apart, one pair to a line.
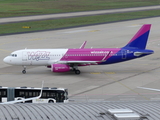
44,94
26,94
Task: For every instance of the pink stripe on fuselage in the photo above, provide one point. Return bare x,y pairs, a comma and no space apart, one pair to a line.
143,30
94,54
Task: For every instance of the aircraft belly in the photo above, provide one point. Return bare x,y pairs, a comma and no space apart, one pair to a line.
34,62
42,63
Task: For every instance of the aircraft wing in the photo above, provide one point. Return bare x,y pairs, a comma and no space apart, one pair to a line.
80,62
85,62
149,89
66,62
28,99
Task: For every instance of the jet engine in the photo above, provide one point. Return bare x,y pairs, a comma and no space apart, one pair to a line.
48,66
60,68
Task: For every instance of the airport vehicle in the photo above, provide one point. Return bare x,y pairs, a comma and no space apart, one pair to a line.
2,92
28,94
63,60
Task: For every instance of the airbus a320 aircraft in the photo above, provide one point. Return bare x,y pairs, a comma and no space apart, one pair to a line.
63,60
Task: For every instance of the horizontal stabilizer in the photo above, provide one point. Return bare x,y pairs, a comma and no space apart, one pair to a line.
141,53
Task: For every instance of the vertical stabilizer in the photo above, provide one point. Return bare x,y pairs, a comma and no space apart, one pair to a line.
140,38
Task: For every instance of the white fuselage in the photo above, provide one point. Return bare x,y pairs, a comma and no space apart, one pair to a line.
35,57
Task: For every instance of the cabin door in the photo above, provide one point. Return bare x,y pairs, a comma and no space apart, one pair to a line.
25,60
124,54
24,56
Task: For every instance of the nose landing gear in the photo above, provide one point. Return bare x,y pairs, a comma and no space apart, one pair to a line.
24,70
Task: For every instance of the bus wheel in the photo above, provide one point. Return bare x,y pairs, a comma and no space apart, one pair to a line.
50,101
20,99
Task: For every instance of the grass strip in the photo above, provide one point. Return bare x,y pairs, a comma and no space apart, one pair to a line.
71,22
10,8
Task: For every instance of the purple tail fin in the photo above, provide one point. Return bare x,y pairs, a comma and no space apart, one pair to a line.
140,38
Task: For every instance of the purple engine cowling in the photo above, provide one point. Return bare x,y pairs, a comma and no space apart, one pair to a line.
60,68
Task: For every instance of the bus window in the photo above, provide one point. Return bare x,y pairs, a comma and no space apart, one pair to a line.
37,93
26,94
57,97
4,93
30,94
44,95
34,93
48,95
52,95
21,93
66,94
61,95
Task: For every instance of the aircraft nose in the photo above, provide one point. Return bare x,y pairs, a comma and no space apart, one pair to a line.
7,60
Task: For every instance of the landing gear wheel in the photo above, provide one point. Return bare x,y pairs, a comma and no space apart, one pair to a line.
24,71
77,72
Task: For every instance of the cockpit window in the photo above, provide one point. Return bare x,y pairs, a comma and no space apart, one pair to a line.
14,55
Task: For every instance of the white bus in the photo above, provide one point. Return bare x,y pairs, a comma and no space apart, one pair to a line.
49,95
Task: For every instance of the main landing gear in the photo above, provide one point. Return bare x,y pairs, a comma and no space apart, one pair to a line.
75,69
77,72
24,70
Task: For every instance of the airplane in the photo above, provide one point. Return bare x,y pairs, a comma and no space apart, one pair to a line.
63,60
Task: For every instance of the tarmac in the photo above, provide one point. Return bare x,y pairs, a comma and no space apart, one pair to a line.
115,82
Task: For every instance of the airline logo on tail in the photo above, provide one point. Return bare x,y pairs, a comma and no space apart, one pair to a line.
63,60
140,38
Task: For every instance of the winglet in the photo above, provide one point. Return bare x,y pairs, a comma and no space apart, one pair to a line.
83,45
